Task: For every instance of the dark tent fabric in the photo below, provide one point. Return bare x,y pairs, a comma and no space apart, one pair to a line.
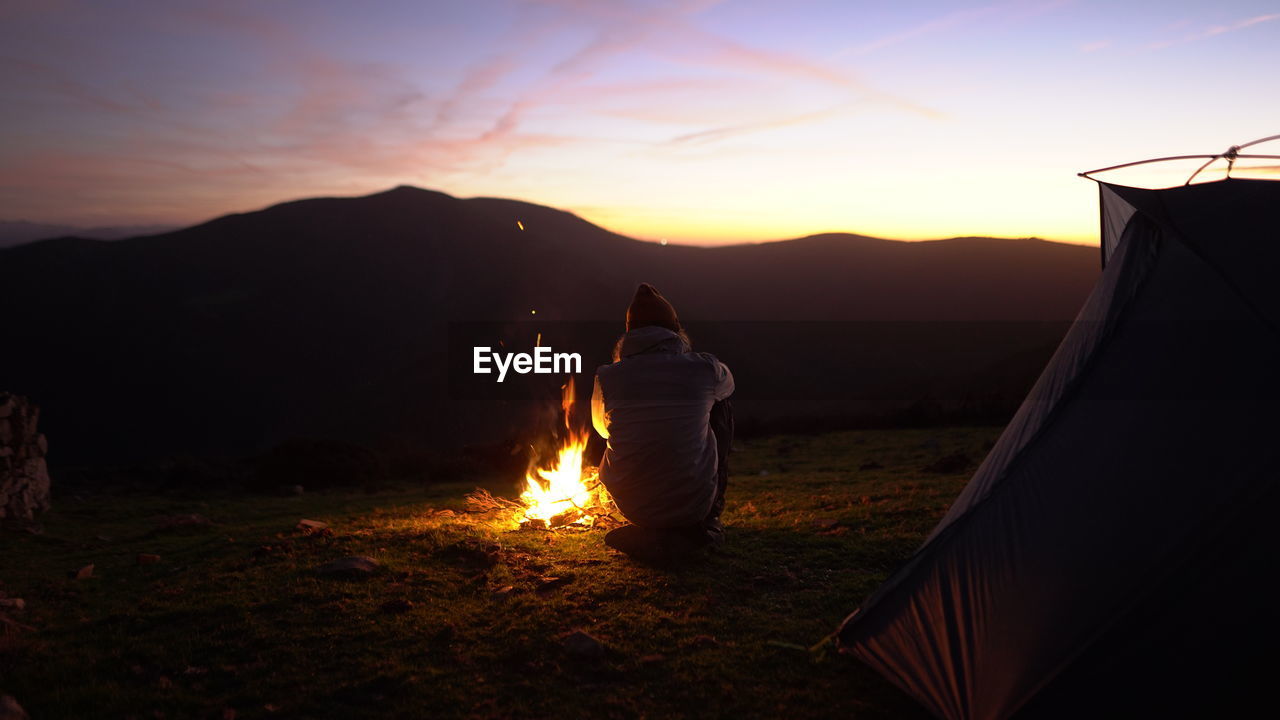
1115,555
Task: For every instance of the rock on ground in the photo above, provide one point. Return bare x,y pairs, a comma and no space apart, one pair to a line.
582,645
11,710
356,566
24,476
181,522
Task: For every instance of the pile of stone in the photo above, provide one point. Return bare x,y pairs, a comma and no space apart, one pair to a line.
24,477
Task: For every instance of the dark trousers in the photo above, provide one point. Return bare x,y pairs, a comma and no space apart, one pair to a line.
722,428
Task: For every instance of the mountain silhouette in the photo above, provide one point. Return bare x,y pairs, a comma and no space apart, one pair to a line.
346,317
17,232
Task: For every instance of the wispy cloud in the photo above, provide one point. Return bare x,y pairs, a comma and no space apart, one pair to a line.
1004,12
51,80
944,22
1220,29
1214,30
319,120
720,133
669,33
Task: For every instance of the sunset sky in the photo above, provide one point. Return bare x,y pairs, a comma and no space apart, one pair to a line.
693,121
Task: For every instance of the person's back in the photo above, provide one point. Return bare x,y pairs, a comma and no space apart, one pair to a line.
661,407
661,463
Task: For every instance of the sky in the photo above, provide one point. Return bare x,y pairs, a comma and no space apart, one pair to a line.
688,120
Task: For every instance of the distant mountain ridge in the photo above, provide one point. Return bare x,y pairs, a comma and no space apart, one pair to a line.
331,316
17,232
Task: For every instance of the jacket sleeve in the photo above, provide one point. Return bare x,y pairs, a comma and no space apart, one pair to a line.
599,418
724,378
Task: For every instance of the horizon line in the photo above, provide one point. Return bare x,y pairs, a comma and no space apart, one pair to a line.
660,239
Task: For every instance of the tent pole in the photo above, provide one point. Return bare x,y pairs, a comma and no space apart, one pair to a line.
1206,164
1269,138
1089,173
1231,155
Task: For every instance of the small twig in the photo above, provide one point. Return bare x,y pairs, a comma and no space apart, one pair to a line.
13,626
485,500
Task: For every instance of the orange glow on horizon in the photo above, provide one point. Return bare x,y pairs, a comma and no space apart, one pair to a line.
713,232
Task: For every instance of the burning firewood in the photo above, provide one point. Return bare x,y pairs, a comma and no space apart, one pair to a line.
562,494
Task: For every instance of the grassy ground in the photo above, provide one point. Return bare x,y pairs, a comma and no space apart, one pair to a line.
464,620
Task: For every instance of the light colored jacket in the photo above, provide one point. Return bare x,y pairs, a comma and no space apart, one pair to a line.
653,406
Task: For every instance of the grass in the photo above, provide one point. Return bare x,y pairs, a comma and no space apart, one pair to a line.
464,620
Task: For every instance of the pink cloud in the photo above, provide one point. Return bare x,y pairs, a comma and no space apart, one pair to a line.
1214,30
720,133
343,123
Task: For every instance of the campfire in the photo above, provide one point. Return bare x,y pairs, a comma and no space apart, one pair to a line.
565,492
559,491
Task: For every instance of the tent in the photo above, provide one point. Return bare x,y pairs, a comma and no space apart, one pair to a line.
1117,552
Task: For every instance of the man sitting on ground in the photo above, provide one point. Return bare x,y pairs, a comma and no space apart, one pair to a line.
665,412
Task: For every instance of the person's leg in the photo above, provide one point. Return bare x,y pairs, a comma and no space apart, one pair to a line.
674,545
633,541
722,428
659,546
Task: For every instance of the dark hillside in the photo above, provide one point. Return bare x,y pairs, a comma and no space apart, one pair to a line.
332,316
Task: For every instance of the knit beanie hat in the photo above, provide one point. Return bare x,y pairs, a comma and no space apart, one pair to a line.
648,307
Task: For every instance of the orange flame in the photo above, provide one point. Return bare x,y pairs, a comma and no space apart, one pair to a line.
564,492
